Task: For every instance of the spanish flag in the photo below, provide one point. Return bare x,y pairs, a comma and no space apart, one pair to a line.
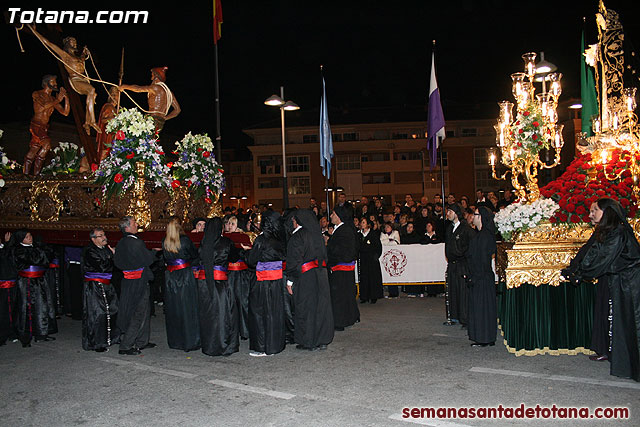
217,21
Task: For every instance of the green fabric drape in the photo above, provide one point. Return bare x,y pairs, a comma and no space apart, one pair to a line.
546,318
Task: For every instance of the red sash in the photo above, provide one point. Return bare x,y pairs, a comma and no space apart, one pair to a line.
199,274
309,265
133,274
7,284
219,275
349,266
178,267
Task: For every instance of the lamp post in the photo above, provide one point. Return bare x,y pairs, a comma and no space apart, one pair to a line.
278,101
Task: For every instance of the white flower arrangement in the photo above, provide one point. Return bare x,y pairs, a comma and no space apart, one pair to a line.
196,167
135,140
6,165
519,217
65,159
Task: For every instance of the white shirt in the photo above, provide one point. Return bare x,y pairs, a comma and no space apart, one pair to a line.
455,225
337,226
365,234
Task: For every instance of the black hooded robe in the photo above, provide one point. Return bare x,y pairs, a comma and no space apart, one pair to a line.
241,280
181,297
483,316
217,307
32,314
342,252
100,301
456,250
618,259
8,292
267,330
369,270
134,259
312,300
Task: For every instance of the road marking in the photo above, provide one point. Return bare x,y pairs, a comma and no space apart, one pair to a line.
148,368
259,390
426,421
441,335
557,378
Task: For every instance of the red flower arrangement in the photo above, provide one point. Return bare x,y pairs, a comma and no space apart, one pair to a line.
131,155
584,182
120,135
117,178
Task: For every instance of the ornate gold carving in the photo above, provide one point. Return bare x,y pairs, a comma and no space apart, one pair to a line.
215,207
180,203
54,206
138,207
561,232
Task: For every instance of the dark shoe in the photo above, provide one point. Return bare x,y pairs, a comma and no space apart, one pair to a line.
44,338
479,344
363,301
339,328
322,347
598,358
101,350
373,301
301,347
148,345
130,352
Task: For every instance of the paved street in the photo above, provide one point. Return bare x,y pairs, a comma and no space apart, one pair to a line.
400,355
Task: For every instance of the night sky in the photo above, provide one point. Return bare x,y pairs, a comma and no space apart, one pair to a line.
375,54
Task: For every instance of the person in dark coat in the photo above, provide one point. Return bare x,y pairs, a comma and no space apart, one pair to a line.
483,317
308,282
134,314
240,278
217,306
457,238
180,289
369,270
267,330
615,253
342,252
100,301
430,236
8,292
32,313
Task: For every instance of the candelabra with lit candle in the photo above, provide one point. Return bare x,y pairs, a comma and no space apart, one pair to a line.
520,139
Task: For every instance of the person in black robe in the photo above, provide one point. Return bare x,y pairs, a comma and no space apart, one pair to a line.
8,292
289,308
134,259
180,289
369,270
240,278
217,307
100,301
483,317
615,253
430,237
32,313
54,279
342,252
267,330
308,282
457,238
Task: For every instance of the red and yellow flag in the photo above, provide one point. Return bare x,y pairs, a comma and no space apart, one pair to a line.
217,21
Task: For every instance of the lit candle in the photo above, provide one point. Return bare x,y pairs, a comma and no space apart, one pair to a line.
512,153
615,121
596,126
603,156
492,158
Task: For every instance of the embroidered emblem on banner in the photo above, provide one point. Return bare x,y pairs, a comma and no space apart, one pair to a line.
395,262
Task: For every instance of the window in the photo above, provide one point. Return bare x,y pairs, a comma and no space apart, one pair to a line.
480,157
348,161
269,165
410,155
299,185
351,136
469,132
336,137
381,134
309,138
485,181
270,183
298,164
451,133
401,135
445,159
407,177
380,156
432,180
376,178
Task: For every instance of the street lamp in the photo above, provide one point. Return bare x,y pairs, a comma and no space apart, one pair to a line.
278,101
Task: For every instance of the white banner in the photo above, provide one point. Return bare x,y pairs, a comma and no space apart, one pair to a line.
413,263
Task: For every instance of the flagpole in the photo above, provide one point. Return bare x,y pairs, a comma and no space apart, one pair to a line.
217,106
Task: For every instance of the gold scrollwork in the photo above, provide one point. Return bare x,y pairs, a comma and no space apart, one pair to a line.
215,208
139,207
180,203
51,190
